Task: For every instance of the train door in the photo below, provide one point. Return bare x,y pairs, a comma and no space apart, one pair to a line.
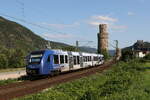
92,58
70,60
81,60
47,64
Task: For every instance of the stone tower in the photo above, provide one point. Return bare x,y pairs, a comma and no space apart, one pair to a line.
102,38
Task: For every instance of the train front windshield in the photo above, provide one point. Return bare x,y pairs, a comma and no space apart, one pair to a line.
35,58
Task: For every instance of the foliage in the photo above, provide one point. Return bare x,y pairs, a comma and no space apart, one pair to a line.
69,48
106,54
17,58
127,55
4,82
3,61
11,58
147,57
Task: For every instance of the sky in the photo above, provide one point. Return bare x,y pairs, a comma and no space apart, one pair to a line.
70,20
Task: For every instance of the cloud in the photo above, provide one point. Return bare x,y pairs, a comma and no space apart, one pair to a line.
131,13
57,36
96,20
110,21
117,27
61,26
94,23
105,18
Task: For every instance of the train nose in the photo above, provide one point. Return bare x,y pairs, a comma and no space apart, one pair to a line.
32,71
33,66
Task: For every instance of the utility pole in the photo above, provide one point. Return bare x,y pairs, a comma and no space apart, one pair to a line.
116,43
118,51
77,45
48,46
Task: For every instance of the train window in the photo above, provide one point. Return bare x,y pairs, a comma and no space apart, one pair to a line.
66,59
74,59
95,58
88,58
62,59
56,59
48,59
78,60
36,58
84,58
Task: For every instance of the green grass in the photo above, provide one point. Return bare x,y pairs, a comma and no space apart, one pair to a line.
71,90
11,69
146,75
4,82
125,81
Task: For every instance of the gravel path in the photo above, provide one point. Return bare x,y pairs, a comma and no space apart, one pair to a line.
14,74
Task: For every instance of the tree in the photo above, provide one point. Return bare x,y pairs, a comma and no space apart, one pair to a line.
17,58
127,55
105,53
147,57
69,48
3,61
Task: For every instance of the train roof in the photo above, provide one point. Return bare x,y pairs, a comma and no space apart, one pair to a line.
57,51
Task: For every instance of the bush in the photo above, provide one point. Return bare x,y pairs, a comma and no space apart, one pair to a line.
11,58
106,54
147,57
127,55
3,61
49,95
17,58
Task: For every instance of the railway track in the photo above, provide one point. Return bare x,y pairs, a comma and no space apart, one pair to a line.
15,90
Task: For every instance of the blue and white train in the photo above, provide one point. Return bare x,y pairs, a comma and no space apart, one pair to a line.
46,62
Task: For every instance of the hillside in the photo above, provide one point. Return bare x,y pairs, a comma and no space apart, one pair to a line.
139,45
14,35
88,49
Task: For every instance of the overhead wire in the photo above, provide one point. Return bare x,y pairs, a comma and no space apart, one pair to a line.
21,3
22,7
33,24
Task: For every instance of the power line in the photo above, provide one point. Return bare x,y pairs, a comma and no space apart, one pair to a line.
31,23
21,3
42,27
36,25
112,45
